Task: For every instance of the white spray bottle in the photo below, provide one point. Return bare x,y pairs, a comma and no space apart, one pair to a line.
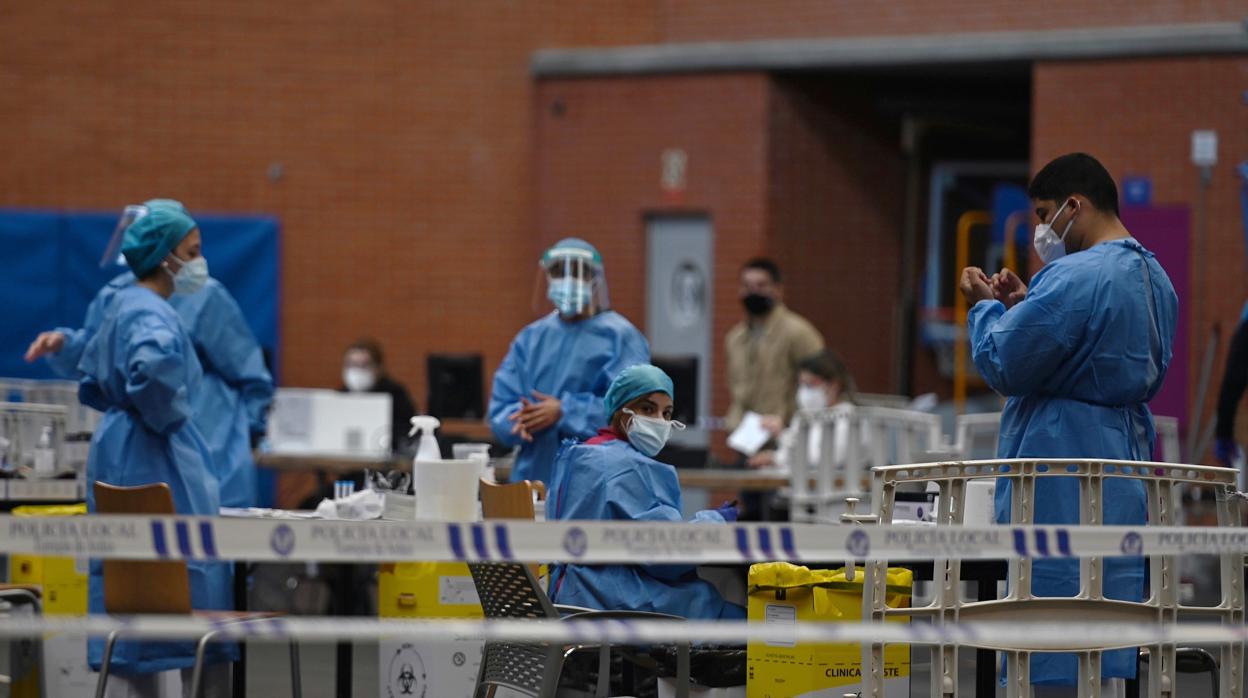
428,442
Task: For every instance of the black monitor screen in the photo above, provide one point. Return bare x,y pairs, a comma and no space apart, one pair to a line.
684,373
455,386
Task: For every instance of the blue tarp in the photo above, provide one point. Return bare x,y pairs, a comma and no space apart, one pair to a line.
50,271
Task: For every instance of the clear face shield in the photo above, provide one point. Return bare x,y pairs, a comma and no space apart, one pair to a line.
573,281
112,253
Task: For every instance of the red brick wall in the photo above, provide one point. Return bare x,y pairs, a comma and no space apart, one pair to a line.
1137,118
735,20
598,173
834,220
405,131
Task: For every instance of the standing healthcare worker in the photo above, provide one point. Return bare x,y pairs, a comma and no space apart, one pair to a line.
231,409
551,384
141,370
614,477
1078,354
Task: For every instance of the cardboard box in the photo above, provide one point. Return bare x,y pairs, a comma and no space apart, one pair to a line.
445,669
785,594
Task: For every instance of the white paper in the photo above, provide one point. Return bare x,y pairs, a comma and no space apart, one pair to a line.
457,591
775,614
750,435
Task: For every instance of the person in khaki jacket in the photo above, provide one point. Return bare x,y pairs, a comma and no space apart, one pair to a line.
764,350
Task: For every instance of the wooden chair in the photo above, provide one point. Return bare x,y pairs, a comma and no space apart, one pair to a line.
511,501
140,587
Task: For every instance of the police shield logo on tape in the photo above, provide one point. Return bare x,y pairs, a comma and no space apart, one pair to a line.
575,542
858,544
282,540
1132,544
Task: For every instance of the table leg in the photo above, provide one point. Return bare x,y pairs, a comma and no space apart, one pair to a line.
985,660
239,677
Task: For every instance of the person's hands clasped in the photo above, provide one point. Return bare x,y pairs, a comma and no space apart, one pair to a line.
975,285
535,416
1008,288
51,342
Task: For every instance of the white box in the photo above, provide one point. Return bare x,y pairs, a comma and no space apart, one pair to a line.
312,421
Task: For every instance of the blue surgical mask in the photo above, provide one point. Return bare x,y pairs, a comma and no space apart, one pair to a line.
570,296
649,434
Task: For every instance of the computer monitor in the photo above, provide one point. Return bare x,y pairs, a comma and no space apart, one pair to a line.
455,386
684,373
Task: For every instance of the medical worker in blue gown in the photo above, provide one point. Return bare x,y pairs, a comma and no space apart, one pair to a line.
232,408
1079,354
551,383
614,477
141,370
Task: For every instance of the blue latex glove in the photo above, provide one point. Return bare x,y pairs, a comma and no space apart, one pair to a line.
728,510
1225,451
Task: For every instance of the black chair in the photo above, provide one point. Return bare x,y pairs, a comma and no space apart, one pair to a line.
509,590
1188,660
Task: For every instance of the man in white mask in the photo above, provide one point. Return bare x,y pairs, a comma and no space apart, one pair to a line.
1079,354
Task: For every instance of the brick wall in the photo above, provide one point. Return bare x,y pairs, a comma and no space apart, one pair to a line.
404,131
1137,117
834,219
599,176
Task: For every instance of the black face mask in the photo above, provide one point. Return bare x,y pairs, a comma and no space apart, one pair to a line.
758,304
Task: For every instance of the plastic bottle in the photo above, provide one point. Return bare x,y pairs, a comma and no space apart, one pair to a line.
428,449
45,457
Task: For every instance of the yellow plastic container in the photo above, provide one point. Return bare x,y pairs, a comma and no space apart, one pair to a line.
63,580
783,593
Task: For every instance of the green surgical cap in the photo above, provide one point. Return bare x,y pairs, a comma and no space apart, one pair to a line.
632,383
151,238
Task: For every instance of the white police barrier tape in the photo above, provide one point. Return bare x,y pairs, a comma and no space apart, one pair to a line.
1043,637
190,538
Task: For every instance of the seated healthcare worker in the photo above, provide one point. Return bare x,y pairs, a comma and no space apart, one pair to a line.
615,477
823,381
141,370
231,409
550,385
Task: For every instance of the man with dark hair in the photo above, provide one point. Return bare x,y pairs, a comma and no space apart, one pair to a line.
764,350
1078,354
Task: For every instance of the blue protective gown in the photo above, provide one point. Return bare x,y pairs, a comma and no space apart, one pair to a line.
616,482
573,361
140,369
1078,359
234,400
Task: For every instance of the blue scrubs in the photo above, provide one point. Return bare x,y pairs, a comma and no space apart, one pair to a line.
616,482
234,400
141,371
1079,358
573,361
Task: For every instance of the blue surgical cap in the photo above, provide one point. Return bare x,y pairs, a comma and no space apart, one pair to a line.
566,246
632,383
151,238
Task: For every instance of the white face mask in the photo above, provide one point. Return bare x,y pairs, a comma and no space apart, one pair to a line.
811,398
1048,245
191,277
649,434
358,379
